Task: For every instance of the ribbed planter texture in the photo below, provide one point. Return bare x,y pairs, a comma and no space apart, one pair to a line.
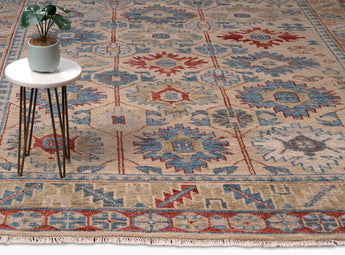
43,58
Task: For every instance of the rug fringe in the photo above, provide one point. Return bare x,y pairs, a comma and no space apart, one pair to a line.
168,242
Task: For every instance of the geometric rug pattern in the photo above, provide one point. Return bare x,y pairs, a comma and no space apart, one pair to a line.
195,122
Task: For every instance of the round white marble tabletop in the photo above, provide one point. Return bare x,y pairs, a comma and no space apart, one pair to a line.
20,73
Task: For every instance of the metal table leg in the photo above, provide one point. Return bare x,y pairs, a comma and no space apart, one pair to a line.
25,119
26,122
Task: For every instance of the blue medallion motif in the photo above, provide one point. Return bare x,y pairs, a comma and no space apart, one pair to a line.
116,77
270,63
77,36
181,147
158,15
289,98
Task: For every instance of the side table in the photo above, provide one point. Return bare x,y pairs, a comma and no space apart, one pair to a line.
20,73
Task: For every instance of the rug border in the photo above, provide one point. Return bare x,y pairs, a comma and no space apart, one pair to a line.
235,240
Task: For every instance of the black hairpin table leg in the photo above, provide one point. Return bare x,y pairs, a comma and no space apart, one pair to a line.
26,125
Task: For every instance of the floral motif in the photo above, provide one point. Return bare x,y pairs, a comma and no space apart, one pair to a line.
260,37
173,97
271,63
211,49
289,98
247,222
310,148
77,36
151,222
220,78
191,222
165,63
284,222
113,24
158,14
242,15
25,220
161,37
67,220
321,222
109,220
112,49
85,146
77,96
183,148
116,77
231,118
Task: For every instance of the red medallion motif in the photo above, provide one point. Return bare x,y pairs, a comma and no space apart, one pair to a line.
165,63
260,37
170,95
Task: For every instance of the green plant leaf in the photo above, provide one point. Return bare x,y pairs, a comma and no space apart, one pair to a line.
33,8
32,16
50,9
61,22
63,9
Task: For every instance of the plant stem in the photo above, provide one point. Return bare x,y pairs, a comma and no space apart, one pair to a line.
45,30
51,22
39,31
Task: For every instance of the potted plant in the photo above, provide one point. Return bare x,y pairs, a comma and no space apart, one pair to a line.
43,51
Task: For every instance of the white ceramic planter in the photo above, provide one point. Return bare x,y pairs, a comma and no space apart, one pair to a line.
43,58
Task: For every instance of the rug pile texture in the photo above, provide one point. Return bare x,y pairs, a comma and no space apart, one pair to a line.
195,122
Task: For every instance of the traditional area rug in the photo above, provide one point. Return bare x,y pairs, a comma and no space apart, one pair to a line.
195,122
